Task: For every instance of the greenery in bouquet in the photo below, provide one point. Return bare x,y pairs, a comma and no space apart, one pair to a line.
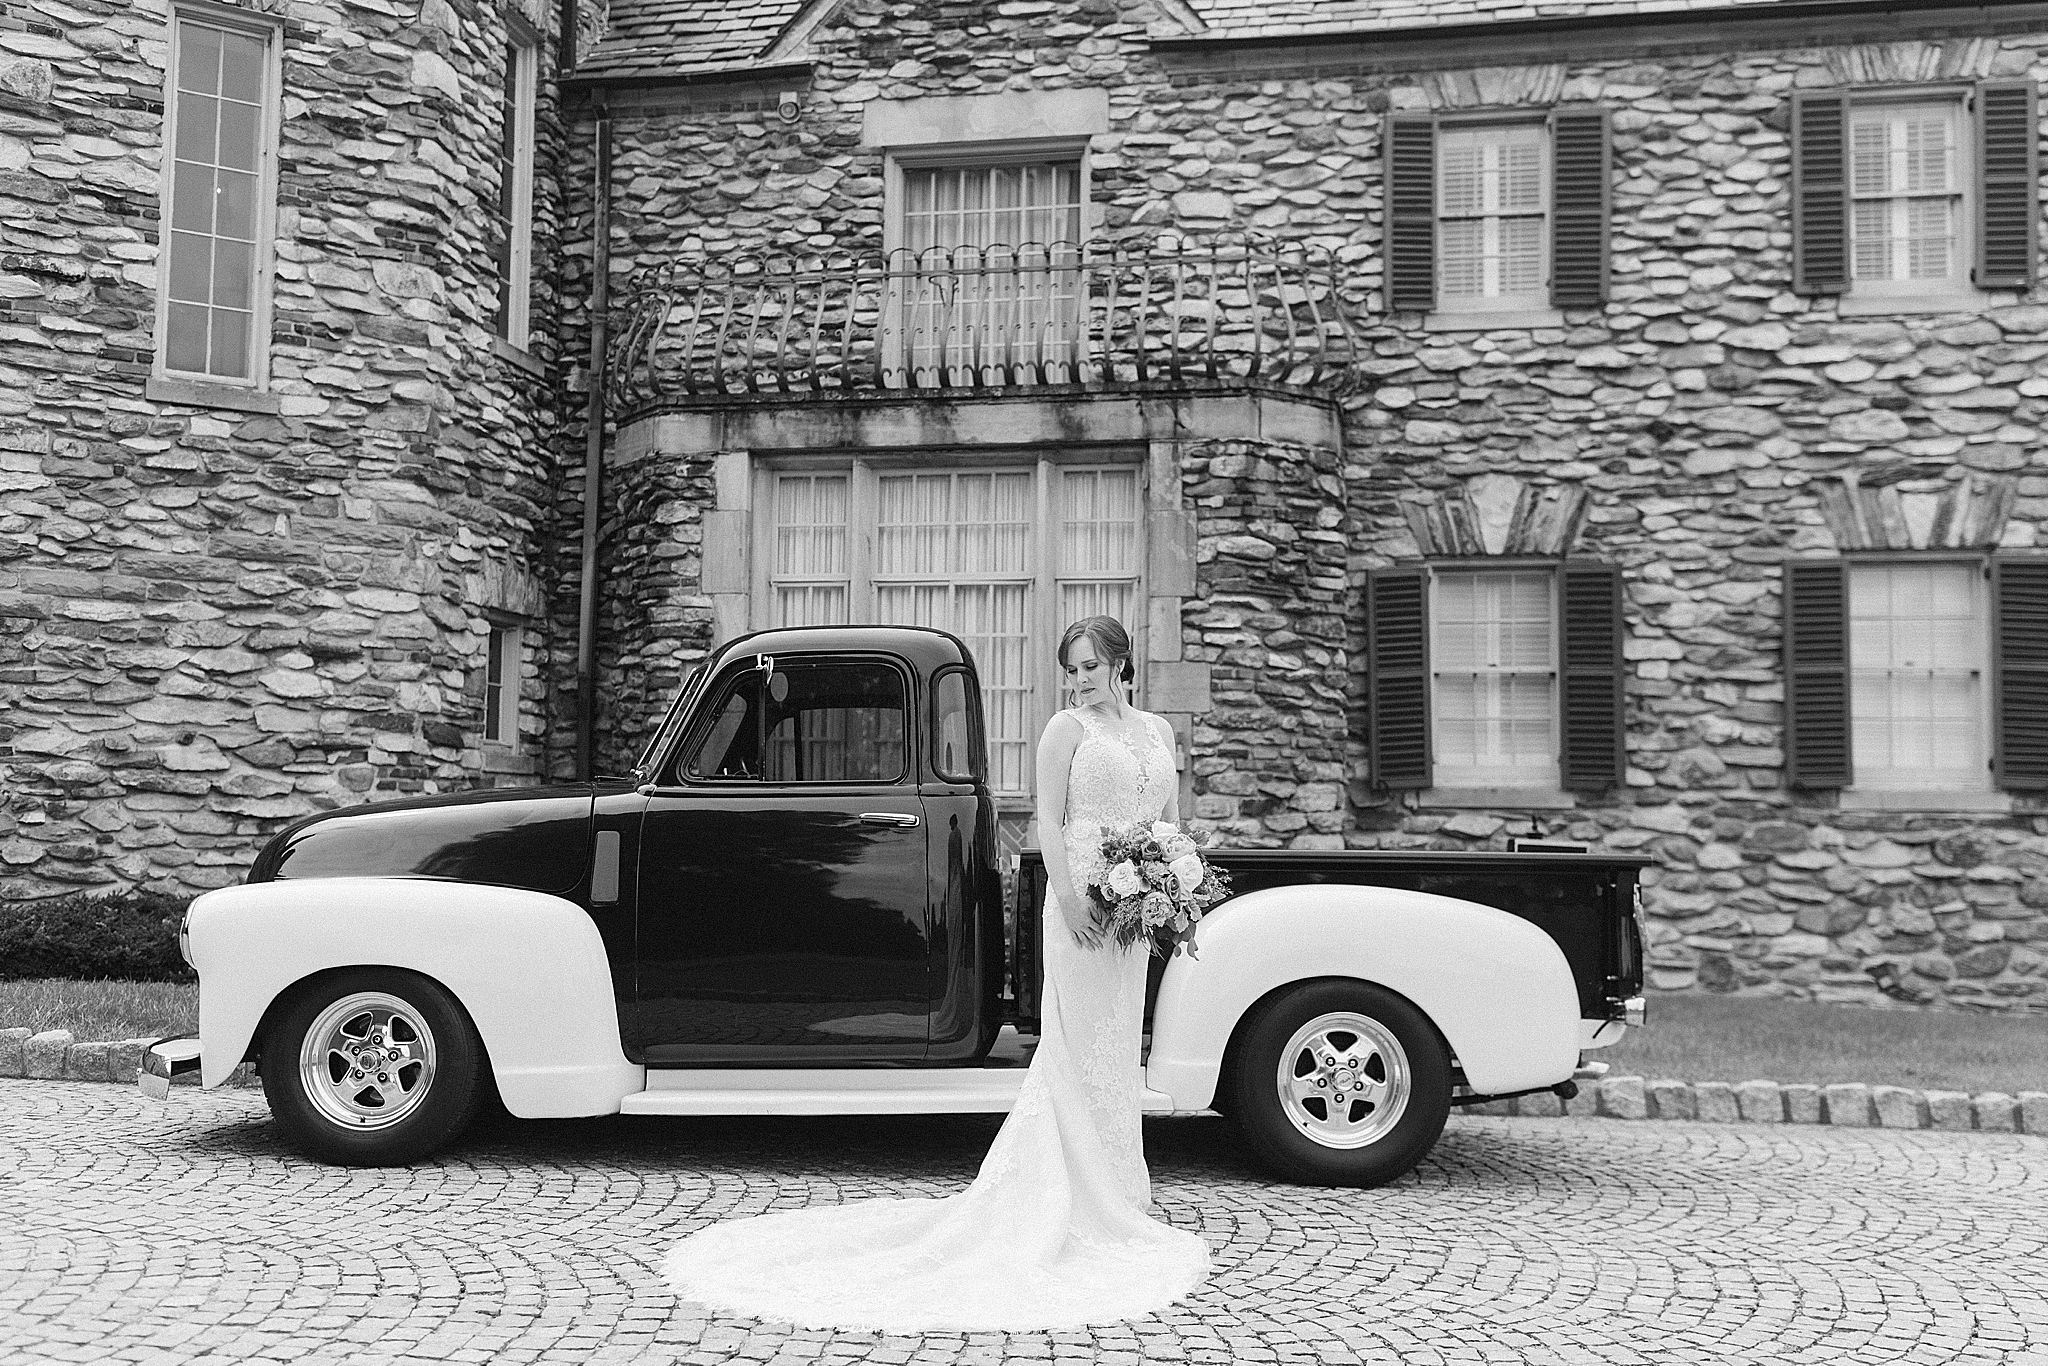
1155,886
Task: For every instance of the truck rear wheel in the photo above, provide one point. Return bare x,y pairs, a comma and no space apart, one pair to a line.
1340,1083
372,1067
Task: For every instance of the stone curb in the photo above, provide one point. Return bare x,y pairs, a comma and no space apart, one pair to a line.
1844,1104
54,1055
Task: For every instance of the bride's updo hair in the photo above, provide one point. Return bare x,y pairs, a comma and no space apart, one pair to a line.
1110,639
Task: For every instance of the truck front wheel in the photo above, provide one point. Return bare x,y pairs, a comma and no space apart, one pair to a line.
372,1067
1340,1083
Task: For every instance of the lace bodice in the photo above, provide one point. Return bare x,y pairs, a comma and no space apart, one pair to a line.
1118,776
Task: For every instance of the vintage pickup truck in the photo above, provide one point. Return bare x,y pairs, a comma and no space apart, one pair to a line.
793,906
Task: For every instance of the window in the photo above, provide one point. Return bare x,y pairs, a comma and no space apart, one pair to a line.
810,722
1494,678
501,685
1917,652
221,134
1503,683
1907,226
988,272
958,750
1920,201
1002,557
1497,224
1492,202
515,188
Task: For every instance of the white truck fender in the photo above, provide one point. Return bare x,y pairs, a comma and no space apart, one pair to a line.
528,967
1497,987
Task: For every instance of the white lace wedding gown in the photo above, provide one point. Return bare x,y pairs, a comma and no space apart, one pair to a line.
1053,1233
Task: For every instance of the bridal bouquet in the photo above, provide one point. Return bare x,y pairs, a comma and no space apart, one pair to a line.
1154,878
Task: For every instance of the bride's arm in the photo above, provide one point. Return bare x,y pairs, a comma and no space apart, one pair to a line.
1055,756
1171,811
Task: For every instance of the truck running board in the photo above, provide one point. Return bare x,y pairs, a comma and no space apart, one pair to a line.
837,1091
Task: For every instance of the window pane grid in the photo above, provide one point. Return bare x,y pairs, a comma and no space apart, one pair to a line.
1495,678
1916,634
1907,203
1491,213
960,551
215,214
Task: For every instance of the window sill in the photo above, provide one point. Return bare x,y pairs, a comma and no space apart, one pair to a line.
1494,321
199,394
500,758
1922,799
1514,798
522,359
1854,305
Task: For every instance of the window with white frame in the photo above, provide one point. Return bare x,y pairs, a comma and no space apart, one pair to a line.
988,263
515,187
1493,665
1493,199
1908,226
1918,641
1002,557
501,685
220,188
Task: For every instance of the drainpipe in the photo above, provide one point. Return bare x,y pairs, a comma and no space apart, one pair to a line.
593,450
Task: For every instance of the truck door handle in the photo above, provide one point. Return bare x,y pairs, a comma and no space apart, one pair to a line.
902,818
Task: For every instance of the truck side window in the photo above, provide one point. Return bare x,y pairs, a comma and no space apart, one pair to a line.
836,721
956,734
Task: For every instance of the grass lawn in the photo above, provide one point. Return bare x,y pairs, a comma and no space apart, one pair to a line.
1689,1037
1744,1038
93,1011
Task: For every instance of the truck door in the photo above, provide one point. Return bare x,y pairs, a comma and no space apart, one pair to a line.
784,909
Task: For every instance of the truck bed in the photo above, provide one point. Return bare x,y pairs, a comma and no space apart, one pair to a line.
1586,902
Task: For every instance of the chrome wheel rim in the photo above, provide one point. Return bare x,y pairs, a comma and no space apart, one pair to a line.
368,1061
1344,1080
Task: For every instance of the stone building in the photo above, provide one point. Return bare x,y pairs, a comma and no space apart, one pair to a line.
1596,422
275,419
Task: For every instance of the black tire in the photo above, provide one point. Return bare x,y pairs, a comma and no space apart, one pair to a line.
429,1095
1388,1135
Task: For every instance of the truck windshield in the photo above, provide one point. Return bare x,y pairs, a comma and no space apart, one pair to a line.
671,724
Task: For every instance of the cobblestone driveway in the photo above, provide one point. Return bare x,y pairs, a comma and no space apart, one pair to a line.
132,1232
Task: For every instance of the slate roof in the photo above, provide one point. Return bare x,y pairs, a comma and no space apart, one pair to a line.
701,37
686,37
1284,18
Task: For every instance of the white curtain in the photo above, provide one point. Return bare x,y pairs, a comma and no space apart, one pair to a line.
1492,657
1916,639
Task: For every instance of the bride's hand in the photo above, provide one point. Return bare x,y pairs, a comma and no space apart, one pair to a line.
1080,916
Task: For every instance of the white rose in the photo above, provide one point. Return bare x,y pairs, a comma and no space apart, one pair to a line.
1124,879
1187,870
1164,830
1176,845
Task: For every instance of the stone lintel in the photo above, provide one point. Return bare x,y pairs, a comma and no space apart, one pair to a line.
1008,116
1872,511
1025,418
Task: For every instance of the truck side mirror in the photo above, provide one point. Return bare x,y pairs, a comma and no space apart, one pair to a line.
775,685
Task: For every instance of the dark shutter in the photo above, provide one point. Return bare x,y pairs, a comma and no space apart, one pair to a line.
1589,659
1817,673
2007,138
1397,676
1820,191
1580,181
1411,212
2019,672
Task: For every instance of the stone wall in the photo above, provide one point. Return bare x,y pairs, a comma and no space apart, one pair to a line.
214,619
1698,429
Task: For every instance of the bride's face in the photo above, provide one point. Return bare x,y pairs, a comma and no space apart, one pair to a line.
1089,674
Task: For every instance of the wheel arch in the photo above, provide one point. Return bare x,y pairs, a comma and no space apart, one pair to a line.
1496,988
508,957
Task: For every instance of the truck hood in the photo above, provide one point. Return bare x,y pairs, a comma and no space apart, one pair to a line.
532,837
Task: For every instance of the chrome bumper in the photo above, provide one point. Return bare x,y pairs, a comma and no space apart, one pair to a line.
164,1059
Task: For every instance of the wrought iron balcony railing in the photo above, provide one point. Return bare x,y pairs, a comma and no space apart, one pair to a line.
1094,314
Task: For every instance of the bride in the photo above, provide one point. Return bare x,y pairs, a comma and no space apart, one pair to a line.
1053,1233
